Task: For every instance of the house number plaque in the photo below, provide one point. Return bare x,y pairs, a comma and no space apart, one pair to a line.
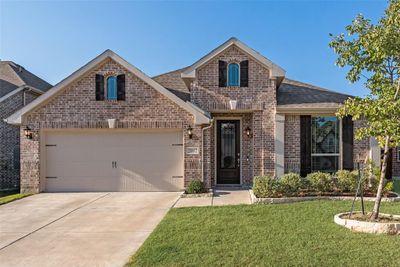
192,150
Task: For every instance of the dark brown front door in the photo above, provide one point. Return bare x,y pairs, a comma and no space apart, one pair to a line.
228,152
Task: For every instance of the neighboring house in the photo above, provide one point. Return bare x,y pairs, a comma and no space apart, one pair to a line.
18,87
228,117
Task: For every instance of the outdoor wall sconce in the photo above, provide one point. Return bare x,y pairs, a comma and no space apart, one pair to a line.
28,132
190,132
248,131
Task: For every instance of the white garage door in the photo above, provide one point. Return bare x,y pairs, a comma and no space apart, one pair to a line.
114,161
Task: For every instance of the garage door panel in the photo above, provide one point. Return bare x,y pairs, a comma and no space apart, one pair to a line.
146,161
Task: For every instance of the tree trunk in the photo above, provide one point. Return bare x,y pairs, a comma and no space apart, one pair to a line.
375,211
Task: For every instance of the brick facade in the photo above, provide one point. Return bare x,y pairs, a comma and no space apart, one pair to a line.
145,107
257,102
10,140
396,162
77,108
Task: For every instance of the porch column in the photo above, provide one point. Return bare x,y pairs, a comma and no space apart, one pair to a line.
279,144
375,151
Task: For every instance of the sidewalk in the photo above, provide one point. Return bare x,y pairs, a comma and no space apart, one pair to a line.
221,197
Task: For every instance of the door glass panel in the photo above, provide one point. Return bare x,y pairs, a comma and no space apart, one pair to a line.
228,145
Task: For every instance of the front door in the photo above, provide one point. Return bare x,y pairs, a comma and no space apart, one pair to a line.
228,152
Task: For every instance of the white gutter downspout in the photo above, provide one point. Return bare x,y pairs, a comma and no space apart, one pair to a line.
202,148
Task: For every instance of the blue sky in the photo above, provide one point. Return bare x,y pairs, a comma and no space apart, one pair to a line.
54,38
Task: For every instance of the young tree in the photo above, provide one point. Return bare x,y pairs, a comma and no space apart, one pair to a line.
372,52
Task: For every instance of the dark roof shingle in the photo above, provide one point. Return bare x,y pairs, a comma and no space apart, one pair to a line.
13,76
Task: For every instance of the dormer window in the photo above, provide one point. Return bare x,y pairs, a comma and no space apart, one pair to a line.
111,88
233,74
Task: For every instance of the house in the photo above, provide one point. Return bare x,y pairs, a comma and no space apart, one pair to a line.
226,118
18,87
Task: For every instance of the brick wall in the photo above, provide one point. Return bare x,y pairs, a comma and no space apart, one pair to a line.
292,143
259,98
9,141
396,162
76,107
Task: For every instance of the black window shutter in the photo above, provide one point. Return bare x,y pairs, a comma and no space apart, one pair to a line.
389,166
244,73
305,145
222,67
121,87
99,87
347,140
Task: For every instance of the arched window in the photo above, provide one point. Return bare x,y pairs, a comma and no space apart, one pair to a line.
112,88
233,74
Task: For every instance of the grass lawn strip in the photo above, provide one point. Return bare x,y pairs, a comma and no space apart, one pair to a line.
297,234
13,197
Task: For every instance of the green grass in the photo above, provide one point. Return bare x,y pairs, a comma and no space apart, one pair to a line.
12,197
299,234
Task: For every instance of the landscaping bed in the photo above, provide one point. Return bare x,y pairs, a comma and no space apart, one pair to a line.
298,234
319,185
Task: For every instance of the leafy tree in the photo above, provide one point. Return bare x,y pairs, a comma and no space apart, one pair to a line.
372,52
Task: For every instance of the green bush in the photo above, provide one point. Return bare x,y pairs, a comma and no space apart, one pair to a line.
320,181
290,183
266,186
195,187
389,187
346,181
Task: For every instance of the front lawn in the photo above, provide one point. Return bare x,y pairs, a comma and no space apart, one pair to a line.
298,234
12,197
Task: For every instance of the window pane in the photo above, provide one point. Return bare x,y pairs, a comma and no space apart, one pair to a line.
112,88
325,163
325,135
233,74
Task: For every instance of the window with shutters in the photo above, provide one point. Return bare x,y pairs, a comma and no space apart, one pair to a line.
111,89
325,144
233,74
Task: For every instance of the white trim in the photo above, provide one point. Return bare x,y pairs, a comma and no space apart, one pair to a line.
374,151
19,89
16,118
279,145
308,110
275,70
215,148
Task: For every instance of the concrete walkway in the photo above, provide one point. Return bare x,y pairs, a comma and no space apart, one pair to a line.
221,197
79,229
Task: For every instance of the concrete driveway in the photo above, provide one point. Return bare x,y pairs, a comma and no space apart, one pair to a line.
79,229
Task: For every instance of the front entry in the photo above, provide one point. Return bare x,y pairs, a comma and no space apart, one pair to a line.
228,152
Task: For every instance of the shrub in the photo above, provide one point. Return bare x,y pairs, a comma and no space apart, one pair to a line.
266,186
388,187
290,183
346,181
320,181
195,187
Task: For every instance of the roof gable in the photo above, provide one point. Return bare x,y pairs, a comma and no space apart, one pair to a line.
275,70
16,118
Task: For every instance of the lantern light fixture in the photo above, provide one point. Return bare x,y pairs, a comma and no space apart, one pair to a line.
190,132
28,132
248,131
